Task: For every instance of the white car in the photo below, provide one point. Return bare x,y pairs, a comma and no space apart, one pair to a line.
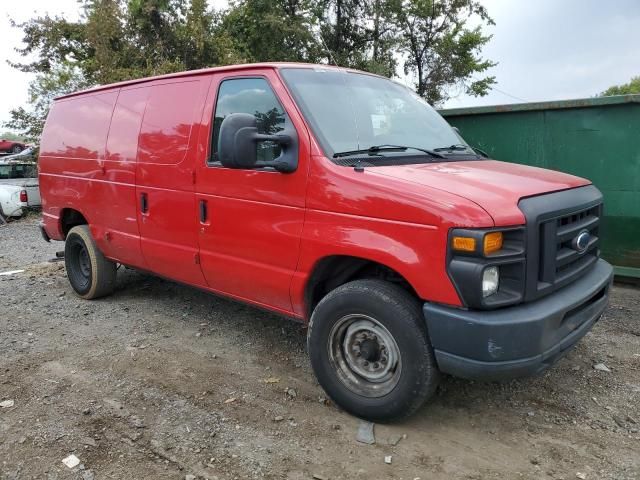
18,188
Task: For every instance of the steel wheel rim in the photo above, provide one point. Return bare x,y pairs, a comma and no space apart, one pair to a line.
364,355
80,266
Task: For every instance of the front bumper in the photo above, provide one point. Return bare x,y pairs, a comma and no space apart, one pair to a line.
521,340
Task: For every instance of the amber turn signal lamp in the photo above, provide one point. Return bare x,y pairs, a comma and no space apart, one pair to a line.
492,242
464,244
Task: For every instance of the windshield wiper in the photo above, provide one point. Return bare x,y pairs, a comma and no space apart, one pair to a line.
453,148
387,148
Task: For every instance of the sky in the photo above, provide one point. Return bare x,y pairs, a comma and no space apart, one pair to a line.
559,49
545,49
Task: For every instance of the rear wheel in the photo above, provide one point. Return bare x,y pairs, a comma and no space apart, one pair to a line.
91,275
370,350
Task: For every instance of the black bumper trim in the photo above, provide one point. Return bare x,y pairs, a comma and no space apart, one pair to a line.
521,340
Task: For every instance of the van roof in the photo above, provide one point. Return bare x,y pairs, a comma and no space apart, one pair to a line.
202,71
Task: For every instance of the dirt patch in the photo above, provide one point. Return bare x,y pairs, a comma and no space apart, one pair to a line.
162,381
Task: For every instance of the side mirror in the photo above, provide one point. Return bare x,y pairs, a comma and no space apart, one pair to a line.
237,144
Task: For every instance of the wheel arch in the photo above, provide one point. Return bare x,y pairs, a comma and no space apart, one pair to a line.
333,271
69,218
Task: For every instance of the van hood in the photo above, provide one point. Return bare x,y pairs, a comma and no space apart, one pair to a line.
495,186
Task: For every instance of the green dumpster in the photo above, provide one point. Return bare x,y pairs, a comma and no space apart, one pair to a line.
596,138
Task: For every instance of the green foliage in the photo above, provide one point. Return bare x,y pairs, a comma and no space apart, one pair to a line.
117,40
625,89
272,30
441,50
358,34
60,79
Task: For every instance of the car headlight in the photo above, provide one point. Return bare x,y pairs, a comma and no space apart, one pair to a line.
490,281
487,265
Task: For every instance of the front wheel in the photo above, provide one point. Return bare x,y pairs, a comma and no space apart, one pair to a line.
370,350
16,149
91,275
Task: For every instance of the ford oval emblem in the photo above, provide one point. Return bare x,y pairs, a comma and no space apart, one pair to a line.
581,241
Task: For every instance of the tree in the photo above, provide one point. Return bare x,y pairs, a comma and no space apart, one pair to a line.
625,89
440,50
58,80
384,39
117,40
272,30
357,34
202,41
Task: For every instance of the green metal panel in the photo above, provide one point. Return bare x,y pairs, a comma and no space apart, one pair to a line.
596,138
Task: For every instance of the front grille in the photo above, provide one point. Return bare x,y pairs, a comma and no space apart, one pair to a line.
560,260
554,221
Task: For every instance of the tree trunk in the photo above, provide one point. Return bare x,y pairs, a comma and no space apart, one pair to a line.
376,31
338,39
422,87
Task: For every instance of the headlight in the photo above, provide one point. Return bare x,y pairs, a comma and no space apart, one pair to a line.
490,281
487,265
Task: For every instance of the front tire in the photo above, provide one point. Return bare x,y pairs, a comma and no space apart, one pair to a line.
16,149
370,351
91,275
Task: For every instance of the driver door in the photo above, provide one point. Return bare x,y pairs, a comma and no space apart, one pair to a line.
250,221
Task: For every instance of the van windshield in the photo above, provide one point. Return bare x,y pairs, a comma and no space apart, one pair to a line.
355,114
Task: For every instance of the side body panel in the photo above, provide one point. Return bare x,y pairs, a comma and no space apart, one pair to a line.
249,243
87,166
384,220
119,168
73,173
167,151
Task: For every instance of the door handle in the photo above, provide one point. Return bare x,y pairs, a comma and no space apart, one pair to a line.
203,211
144,203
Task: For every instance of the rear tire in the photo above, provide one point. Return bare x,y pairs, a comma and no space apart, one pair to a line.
90,274
370,350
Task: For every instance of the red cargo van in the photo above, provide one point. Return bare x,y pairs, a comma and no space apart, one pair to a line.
338,198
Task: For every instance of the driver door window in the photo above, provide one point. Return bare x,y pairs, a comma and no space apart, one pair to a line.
253,96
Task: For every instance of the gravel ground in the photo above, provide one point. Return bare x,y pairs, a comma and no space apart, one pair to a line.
162,381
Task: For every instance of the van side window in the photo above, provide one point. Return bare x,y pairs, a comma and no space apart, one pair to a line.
254,96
